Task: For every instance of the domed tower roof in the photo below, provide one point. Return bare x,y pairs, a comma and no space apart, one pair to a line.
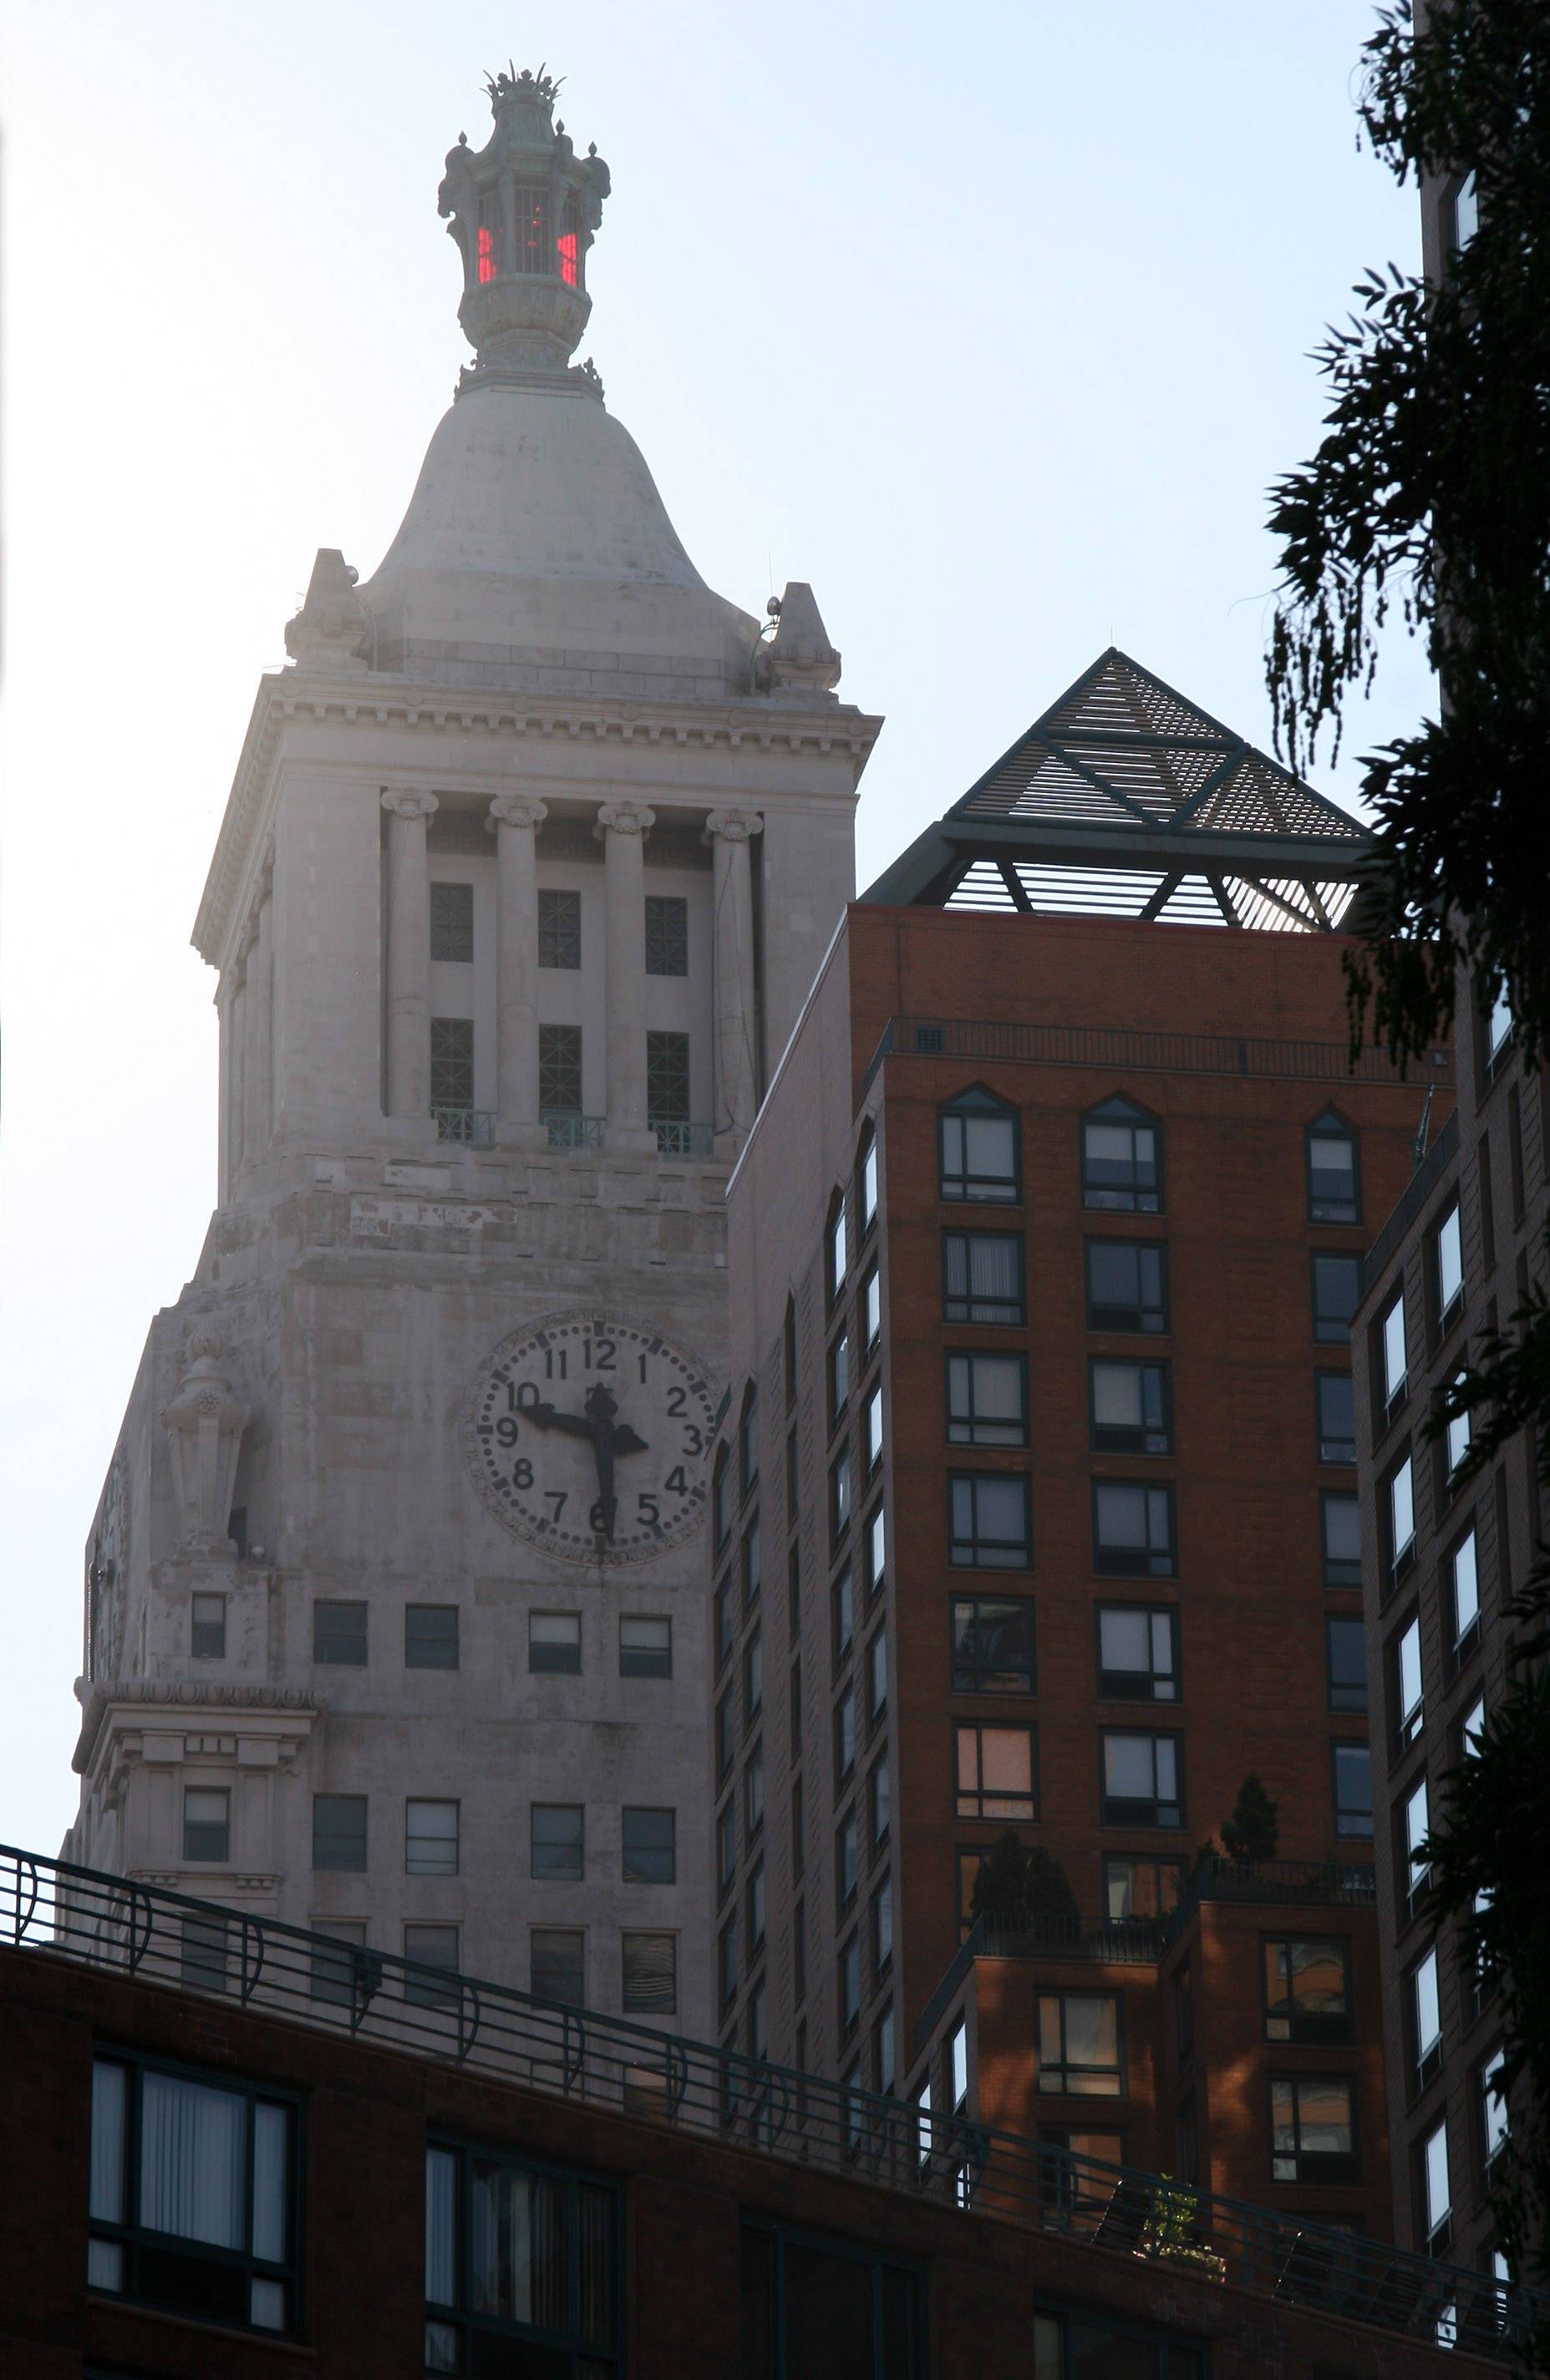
537,552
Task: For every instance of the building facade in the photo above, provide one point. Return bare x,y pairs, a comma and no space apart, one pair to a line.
394,1622
1035,1506
1454,1259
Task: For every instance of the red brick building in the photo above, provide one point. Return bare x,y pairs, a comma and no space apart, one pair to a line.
1035,1505
235,2147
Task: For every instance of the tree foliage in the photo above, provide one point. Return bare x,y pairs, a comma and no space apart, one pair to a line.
1431,491
1016,1879
1254,1830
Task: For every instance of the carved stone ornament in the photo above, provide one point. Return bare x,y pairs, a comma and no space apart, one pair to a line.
799,657
330,635
409,806
517,809
732,826
624,818
204,1423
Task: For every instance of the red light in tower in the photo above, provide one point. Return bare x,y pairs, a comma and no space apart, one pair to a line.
566,245
486,254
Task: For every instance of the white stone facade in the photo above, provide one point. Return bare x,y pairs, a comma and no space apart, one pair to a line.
535,696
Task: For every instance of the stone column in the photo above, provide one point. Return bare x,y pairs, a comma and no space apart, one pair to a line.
236,1091
514,819
260,968
623,826
729,834
223,1113
408,955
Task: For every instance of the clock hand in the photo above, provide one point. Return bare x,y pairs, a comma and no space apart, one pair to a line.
549,1417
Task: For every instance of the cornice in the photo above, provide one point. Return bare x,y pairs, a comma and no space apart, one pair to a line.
762,725
148,1695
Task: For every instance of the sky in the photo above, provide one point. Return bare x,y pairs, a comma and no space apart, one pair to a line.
993,324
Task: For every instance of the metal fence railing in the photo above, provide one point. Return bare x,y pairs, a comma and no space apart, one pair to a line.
468,1127
608,2062
1171,1053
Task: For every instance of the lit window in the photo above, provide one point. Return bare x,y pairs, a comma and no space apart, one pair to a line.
535,252
192,2196
997,1770
1132,1527
977,1149
1333,1194
982,1276
557,1842
1402,1517
1313,2130
990,1521
1466,1589
1449,1258
1142,1781
1392,1339
1141,1888
431,1839
1425,2019
992,1646
868,1184
1418,1868
1409,1708
987,1400
1436,2189
872,1431
1120,1158
1307,1990
1138,1653
1079,2045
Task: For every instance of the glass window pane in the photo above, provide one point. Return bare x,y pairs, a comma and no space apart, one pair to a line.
109,2094
440,2226
1128,1772
1116,1396
1125,1640
1401,1507
271,2161
193,2160
1428,2006
1450,1260
1466,1587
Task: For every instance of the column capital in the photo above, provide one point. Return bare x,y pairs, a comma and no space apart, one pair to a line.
515,809
732,826
624,818
406,805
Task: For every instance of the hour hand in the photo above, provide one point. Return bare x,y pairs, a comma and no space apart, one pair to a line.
549,1417
625,1440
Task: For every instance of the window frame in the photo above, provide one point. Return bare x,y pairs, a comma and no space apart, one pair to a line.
1066,2066
1115,1562
1014,1320
970,1421
1124,1810
463,2322
976,1101
1104,1437
456,1636
1335,1569
1098,1198
1332,1126
1338,1451
1347,1745
1306,2030
1333,1620
979,1795
133,2237
967,1678
979,1549
1104,1318
1330,1329
1315,2169
1107,1691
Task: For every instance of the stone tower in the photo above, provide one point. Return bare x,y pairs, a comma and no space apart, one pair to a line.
393,1624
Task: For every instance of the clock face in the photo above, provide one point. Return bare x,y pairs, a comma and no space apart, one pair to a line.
587,1435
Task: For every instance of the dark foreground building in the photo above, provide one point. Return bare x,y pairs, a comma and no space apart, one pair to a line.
234,2147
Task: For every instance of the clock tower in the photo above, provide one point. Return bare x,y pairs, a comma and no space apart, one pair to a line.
394,1625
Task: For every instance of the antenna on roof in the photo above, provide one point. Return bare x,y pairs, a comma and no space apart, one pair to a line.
1418,1147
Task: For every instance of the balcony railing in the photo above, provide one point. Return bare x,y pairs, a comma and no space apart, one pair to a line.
1346,1884
469,1127
676,1137
566,1130
209,1951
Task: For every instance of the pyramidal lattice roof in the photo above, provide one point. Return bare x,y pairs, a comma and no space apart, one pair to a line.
1125,798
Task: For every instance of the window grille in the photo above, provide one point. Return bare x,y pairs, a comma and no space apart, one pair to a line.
559,1069
667,1078
651,1974
452,1062
558,928
452,924
535,247
667,935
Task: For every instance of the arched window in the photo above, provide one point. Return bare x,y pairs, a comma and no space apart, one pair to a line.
977,1149
1334,1174
1121,1158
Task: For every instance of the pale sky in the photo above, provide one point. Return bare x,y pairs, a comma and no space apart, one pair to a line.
992,323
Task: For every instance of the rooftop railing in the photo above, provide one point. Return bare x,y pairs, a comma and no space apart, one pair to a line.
1134,1053
210,1952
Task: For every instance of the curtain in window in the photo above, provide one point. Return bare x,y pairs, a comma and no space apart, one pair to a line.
271,2126
193,2160
521,2249
441,2214
108,2090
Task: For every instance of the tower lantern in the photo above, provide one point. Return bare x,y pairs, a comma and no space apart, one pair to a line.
523,209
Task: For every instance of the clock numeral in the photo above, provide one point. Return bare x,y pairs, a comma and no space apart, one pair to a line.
522,1472
505,1431
548,1363
646,1508
675,1403
599,1354
695,1443
675,1484
555,1495
523,1397
600,1518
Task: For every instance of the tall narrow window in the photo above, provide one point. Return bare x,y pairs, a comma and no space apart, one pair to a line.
452,1062
1466,1593
452,924
559,930
1334,1191
1391,1341
1409,1708
1336,1417
1340,1526
978,1148
1347,1648
1448,1259
834,1249
667,935
1353,1791
1121,1158
1400,1508
560,1070
667,1082
1425,2016
867,1185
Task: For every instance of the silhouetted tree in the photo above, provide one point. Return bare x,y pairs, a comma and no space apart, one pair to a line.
1253,1831
1016,1879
